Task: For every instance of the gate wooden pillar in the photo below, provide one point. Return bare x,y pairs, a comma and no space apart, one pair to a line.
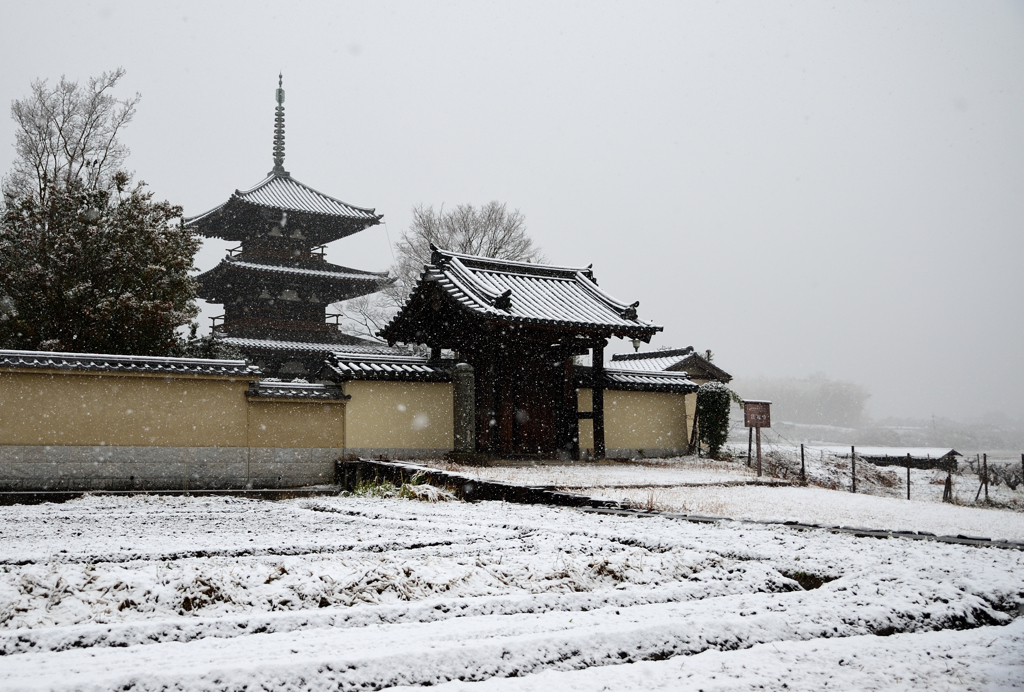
597,393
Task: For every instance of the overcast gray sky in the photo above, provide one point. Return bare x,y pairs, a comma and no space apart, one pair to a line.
800,187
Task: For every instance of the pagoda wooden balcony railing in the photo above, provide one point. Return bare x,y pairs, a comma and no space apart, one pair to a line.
319,250
235,251
336,322
214,324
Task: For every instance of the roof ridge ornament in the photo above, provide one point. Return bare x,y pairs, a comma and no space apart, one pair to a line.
504,301
279,129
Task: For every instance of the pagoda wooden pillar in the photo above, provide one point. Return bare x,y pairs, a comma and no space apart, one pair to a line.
597,394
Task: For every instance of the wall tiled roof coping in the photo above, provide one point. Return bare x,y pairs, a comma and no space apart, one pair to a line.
295,390
102,362
312,346
345,365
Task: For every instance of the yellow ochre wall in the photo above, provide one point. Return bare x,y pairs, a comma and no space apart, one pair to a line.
298,424
640,420
72,409
59,408
399,415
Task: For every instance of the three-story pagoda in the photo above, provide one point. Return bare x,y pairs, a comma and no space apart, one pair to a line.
276,286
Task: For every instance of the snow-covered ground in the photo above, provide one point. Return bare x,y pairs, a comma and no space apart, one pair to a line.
157,593
828,507
680,471
719,488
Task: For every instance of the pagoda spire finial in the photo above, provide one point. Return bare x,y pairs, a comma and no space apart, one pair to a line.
279,129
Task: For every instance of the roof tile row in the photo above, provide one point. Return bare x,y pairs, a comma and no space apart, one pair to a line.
118,363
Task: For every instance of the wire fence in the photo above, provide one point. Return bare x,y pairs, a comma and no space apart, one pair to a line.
842,468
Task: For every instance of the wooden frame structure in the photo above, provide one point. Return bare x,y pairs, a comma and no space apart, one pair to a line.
520,326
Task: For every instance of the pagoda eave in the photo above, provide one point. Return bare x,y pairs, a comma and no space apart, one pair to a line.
238,220
223,283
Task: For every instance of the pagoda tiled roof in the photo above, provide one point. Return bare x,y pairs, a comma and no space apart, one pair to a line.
336,282
523,293
329,271
282,193
104,362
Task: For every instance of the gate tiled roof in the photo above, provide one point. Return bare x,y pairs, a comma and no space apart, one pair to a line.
524,293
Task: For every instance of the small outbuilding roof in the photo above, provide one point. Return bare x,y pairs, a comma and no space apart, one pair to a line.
518,293
635,380
677,359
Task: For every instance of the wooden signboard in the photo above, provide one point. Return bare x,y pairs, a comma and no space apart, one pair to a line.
757,414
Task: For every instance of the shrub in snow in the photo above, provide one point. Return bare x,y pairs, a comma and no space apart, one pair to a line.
713,399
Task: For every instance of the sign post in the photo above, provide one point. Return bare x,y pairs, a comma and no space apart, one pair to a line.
757,415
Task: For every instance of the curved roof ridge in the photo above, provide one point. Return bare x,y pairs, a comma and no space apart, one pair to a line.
482,259
664,353
289,180
320,267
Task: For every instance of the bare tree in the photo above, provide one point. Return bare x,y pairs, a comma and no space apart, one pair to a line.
490,230
66,133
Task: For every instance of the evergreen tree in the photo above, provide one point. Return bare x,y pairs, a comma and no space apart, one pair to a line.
95,269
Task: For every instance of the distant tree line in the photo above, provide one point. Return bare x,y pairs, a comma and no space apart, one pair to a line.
814,400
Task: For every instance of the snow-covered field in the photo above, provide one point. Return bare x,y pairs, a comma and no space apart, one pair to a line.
159,593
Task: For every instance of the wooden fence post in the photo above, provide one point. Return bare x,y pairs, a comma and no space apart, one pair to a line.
750,443
908,475
947,491
803,470
853,468
985,466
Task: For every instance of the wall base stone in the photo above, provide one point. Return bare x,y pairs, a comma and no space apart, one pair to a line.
81,468
354,453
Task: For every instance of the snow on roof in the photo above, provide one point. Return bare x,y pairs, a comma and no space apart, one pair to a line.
311,347
118,363
294,390
648,364
522,292
332,272
637,380
288,194
649,379
285,192
346,365
696,364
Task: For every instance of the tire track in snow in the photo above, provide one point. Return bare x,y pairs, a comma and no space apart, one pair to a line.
479,648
